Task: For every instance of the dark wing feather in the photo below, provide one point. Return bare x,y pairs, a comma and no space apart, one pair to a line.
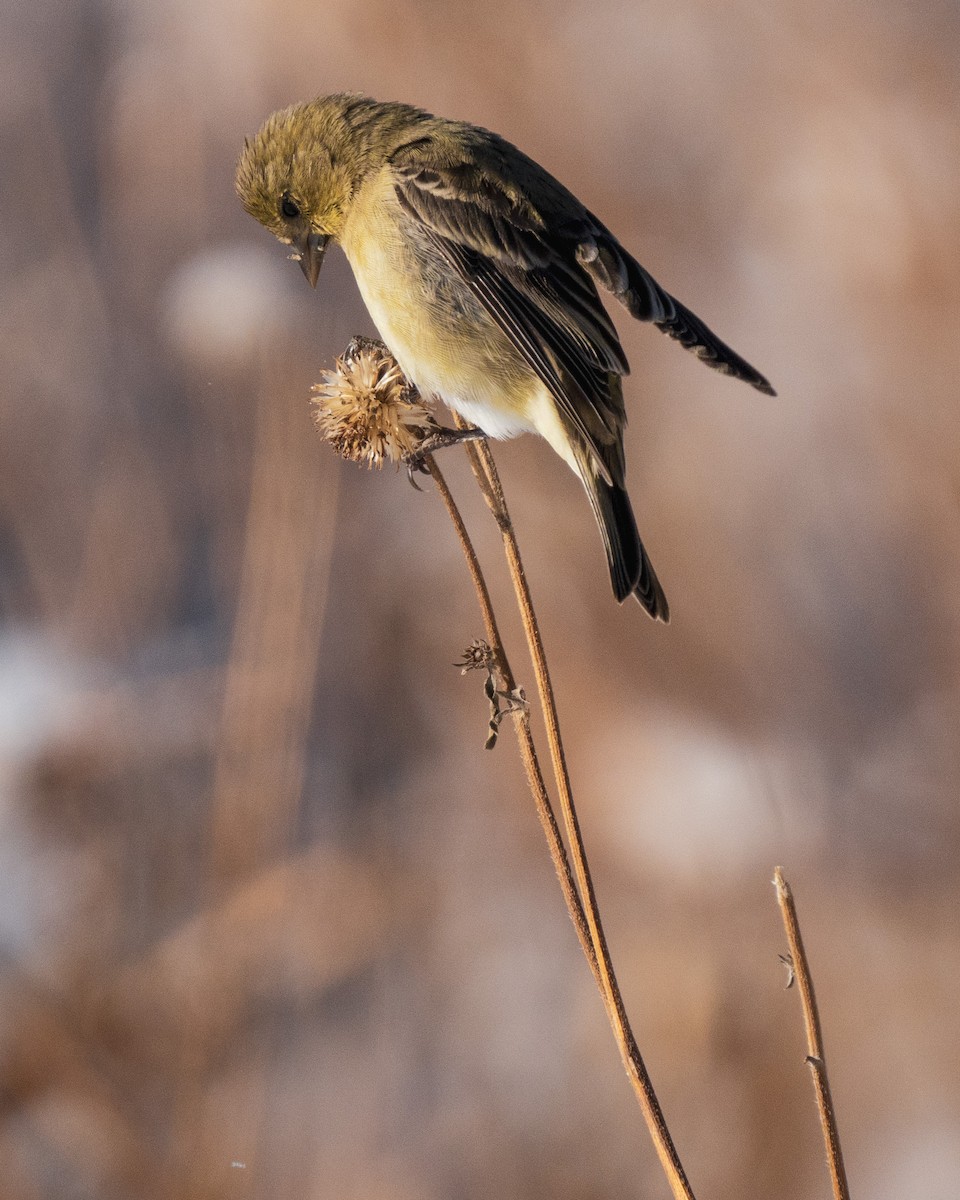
528,279
636,289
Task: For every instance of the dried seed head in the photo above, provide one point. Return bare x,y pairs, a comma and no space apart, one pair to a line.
478,656
367,410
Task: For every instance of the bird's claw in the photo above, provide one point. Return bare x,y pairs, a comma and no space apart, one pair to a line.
416,464
437,439
441,437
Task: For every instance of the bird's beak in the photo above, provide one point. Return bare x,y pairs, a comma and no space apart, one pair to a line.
311,247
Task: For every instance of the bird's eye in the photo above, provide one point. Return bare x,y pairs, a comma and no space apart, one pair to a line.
289,207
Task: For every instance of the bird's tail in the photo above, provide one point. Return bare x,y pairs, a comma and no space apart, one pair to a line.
630,568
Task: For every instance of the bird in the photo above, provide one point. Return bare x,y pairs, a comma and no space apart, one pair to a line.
482,274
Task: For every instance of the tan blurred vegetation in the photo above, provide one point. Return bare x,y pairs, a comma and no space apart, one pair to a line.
272,923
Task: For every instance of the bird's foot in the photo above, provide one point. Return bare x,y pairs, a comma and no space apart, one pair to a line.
439,439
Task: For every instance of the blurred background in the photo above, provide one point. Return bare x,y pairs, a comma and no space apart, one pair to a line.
272,922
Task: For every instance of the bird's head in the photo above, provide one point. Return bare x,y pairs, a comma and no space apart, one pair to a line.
299,174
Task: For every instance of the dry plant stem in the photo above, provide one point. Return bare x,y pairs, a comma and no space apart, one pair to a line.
521,716
815,1053
489,480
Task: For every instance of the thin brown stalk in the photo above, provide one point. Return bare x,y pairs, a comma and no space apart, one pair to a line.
363,435
521,716
815,1052
487,476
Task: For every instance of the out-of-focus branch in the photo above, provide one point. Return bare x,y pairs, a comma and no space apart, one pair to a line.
816,1058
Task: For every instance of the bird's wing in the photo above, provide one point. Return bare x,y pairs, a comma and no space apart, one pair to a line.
619,273
523,267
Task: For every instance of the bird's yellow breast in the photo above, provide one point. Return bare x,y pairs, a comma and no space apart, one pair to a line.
439,332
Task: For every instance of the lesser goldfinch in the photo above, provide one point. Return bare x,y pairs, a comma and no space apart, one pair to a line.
480,271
